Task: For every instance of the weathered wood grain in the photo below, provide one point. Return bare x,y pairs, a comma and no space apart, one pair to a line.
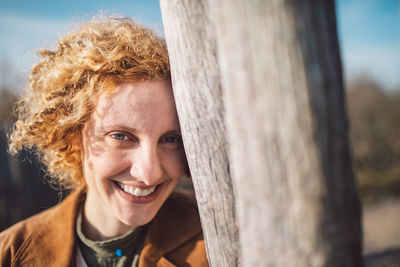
285,116
198,95
269,71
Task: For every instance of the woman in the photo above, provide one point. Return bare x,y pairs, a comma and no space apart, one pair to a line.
99,111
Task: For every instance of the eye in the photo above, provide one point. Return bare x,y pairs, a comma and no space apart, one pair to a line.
172,139
120,136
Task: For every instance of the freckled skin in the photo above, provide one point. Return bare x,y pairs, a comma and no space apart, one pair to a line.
132,137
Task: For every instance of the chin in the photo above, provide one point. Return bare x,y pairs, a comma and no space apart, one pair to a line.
138,218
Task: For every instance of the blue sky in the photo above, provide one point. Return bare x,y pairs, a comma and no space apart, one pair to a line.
369,32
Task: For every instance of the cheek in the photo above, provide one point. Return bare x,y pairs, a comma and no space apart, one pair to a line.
103,165
176,165
186,165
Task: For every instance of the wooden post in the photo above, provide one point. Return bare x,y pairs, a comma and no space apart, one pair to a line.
198,95
279,66
286,122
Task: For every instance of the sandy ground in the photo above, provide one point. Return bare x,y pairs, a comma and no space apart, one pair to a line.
381,223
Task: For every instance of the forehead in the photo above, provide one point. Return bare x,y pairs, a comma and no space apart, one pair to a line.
139,104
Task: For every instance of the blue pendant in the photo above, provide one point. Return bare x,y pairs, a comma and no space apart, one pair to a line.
118,252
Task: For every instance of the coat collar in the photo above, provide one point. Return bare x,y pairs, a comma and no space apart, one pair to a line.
53,241
176,222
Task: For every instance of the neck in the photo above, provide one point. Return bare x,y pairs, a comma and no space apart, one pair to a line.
97,224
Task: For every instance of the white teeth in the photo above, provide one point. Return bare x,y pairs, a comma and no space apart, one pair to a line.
137,191
146,192
130,190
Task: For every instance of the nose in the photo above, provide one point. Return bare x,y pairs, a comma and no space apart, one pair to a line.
146,166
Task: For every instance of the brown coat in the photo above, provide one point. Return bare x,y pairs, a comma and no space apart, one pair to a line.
174,237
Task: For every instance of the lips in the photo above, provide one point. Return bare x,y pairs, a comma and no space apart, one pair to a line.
137,194
136,191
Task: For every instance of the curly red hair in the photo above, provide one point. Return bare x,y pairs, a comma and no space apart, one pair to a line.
65,84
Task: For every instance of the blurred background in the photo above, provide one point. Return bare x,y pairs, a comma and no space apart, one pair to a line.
369,35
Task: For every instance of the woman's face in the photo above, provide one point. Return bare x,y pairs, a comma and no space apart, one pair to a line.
132,155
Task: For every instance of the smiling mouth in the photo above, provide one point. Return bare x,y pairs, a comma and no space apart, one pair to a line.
136,191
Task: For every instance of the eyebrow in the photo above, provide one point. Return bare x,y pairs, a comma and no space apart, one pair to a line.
173,132
113,127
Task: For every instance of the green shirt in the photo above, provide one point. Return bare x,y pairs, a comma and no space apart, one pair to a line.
122,251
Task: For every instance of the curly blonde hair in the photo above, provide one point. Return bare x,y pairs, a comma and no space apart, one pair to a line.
65,85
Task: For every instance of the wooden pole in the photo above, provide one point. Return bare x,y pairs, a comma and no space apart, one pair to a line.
198,95
286,122
283,107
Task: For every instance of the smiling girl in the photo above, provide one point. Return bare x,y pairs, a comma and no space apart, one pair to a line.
100,112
